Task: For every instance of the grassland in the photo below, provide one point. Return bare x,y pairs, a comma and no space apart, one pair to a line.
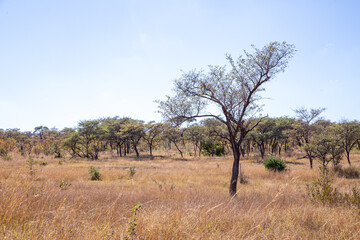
180,199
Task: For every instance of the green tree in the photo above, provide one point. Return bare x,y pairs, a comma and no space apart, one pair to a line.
350,132
305,129
262,134
195,133
153,134
174,135
133,131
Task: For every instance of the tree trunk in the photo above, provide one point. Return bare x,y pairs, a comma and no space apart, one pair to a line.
279,150
262,150
235,170
348,157
150,147
136,150
179,150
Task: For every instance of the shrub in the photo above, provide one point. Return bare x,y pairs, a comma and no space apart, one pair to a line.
132,171
212,148
64,185
321,190
94,173
348,172
275,164
43,163
133,223
5,156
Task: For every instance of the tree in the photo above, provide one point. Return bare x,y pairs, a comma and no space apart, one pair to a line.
235,93
195,133
326,143
152,134
174,135
305,129
263,133
133,131
113,129
87,141
281,133
350,132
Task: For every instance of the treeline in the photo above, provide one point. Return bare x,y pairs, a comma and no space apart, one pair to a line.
315,138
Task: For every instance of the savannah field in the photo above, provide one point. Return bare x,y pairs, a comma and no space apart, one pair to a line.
179,198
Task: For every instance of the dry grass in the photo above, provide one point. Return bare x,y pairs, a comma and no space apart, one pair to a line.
180,200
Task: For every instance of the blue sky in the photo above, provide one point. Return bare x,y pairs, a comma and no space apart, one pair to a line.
66,61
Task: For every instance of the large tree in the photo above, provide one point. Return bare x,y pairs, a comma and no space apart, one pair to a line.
234,92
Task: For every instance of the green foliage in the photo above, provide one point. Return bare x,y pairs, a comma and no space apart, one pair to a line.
94,173
5,156
353,198
275,164
211,148
64,185
321,190
43,163
132,171
348,172
133,223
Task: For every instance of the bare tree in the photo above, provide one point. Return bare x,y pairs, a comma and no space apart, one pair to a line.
233,92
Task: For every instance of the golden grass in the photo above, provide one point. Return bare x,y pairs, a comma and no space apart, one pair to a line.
180,200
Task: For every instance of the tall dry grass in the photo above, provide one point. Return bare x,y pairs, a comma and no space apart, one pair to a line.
180,200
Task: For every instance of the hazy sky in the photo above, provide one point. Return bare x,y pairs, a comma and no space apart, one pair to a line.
62,61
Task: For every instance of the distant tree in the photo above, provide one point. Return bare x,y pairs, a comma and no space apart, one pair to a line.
86,142
133,131
327,144
113,133
215,134
195,133
262,134
174,135
282,132
350,132
305,129
153,134
233,92
41,132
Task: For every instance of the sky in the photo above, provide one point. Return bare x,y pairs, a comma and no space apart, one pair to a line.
66,61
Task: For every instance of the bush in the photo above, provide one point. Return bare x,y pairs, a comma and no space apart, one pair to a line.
132,171
212,148
94,173
348,172
321,190
275,164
